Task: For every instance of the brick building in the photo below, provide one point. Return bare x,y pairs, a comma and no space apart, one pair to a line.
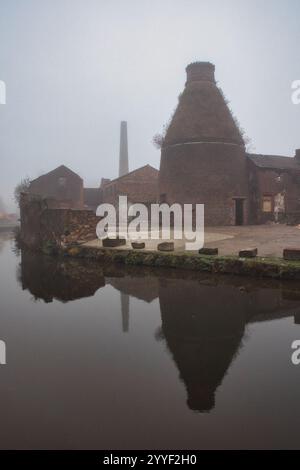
140,186
65,190
204,161
92,198
61,185
274,188
203,158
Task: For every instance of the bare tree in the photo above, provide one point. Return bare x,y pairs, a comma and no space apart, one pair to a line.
158,141
22,187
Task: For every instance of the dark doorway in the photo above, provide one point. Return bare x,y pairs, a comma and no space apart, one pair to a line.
239,211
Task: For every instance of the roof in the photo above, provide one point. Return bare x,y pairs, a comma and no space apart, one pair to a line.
274,161
61,170
131,173
202,115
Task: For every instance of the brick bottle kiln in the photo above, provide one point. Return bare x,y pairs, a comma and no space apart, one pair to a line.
203,158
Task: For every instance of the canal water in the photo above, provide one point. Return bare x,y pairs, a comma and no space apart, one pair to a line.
102,357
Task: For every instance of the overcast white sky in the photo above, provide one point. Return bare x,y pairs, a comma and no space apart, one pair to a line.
75,68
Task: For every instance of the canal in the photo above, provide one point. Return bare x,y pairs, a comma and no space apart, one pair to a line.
103,357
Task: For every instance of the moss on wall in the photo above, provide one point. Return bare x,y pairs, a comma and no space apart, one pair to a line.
274,268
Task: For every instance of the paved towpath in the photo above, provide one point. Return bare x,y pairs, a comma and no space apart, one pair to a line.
269,239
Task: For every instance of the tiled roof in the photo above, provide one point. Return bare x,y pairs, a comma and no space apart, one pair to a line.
274,162
61,170
131,173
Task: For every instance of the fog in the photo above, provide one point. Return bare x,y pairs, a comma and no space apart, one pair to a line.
2,207
75,68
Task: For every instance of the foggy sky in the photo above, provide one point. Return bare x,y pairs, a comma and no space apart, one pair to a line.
75,68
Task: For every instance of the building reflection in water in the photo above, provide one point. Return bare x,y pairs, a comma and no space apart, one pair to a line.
50,278
203,318
125,312
203,333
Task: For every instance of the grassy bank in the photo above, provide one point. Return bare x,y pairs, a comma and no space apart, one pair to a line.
274,268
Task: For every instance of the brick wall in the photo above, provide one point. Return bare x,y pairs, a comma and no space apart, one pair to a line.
42,224
140,186
209,174
203,158
270,182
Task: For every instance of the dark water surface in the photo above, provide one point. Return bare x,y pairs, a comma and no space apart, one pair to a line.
102,357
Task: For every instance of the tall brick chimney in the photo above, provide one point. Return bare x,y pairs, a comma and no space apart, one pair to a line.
297,156
123,158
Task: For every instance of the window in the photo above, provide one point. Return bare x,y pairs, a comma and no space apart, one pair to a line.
62,181
267,204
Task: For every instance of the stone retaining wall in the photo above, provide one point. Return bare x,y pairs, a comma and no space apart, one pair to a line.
46,228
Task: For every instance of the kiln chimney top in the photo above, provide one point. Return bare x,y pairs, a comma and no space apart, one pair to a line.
200,71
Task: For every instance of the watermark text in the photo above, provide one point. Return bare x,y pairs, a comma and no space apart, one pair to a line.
2,92
296,92
2,353
296,354
160,222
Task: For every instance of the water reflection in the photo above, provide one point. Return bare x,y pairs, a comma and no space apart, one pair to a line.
125,312
4,237
202,336
49,278
203,318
